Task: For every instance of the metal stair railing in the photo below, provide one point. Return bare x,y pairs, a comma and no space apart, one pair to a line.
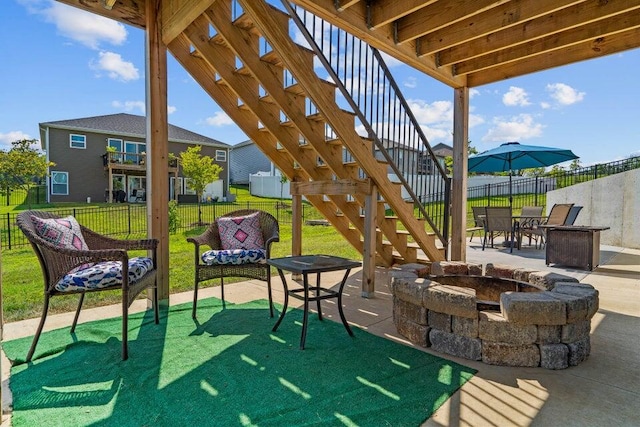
382,115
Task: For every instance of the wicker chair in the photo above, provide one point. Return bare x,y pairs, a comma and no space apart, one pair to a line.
59,264
211,238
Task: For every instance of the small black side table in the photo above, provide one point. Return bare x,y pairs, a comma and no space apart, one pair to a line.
305,265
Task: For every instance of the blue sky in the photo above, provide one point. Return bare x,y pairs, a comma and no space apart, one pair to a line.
57,63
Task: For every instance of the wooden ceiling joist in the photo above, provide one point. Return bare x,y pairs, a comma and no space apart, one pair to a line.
595,48
504,16
574,17
458,42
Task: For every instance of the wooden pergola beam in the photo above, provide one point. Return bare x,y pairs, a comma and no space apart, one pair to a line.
178,14
385,13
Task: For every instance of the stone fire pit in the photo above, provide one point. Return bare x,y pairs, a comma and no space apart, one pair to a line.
507,316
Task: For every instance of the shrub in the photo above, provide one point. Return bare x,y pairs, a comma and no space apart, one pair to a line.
174,217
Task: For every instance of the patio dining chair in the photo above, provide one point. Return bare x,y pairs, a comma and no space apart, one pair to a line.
573,214
530,216
557,216
478,222
497,220
77,260
240,243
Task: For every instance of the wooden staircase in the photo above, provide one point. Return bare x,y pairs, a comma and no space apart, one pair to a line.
228,59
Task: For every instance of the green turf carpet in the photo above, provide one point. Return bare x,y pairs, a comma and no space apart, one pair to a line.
228,370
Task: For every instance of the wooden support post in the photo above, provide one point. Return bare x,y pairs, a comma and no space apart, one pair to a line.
369,247
459,183
158,145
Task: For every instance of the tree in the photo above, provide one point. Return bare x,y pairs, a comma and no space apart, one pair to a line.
448,160
283,181
200,170
575,165
22,166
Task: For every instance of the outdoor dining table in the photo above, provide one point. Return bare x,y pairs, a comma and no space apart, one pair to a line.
309,264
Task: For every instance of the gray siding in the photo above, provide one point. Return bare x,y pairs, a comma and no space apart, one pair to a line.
245,160
87,175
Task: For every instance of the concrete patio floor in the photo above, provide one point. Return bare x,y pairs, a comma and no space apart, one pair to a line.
603,390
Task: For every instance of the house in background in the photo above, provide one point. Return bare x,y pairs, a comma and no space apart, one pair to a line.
246,159
411,159
87,152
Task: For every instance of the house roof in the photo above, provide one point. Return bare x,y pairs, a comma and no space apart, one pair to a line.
243,144
443,150
131,125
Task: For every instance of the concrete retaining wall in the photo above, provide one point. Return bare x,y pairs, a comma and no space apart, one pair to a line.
612,201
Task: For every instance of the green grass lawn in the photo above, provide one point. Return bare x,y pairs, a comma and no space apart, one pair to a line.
22,278
22,281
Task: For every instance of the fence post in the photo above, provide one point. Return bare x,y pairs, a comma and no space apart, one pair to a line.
8,230
129,218
214,212
536,191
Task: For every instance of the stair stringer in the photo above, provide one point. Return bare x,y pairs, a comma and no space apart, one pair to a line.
279,39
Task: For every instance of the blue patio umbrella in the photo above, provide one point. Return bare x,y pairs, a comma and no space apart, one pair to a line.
512,156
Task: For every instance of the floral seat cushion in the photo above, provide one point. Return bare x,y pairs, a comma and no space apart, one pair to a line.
234,257
103,274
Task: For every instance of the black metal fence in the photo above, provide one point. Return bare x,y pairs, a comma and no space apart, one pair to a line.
37,195
532,191
131,219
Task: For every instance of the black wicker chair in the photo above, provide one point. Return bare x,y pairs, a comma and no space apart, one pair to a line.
211,238
57,262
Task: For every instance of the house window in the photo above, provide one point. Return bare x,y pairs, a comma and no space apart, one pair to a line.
221,156
59,183
77,141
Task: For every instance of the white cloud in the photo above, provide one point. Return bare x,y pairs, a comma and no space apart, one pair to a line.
115,67
7,138
564,94
516,128
87,28
516,97
220,118
130,106
473,93
475,120
171,109
545,105
411,82
436,112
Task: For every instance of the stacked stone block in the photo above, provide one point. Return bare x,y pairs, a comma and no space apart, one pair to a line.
549,328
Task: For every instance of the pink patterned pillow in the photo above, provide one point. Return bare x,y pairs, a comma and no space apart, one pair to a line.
62,232
241,232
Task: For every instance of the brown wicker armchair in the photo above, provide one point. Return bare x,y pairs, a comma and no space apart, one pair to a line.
62,266
211,237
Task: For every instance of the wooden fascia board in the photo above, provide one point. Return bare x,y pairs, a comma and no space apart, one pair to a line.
331,187
130,12
385,12
495,19
176,15
562,20
354,21
605,28
439,15
596,48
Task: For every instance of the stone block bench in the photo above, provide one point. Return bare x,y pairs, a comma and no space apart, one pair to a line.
507,316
